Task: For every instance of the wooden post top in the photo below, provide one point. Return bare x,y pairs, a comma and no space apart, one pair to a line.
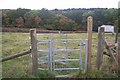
101,29
32,29
89,18
89,24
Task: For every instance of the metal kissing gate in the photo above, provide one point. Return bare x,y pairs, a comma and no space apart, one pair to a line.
58,55
64,53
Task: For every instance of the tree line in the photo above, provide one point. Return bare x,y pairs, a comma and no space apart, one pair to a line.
66,19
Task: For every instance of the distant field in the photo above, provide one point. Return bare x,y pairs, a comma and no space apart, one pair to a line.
16,42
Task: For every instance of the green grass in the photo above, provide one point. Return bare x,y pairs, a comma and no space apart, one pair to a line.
20,67
13,43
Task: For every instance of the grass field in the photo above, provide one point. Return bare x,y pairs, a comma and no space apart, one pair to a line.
20,67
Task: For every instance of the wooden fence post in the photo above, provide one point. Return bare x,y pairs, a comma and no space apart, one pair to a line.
116,29
100,48
118,56
34,50
89,33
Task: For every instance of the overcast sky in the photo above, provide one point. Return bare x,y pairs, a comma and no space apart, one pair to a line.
59,4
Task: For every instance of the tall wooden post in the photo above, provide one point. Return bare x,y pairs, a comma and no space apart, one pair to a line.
118,42
119,57
100,48
89,33
116,29
34,50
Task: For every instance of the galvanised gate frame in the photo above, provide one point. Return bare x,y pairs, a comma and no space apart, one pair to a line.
51,51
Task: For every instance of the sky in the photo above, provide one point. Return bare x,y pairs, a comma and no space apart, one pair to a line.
59,4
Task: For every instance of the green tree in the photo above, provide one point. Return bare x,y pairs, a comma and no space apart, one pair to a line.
49,20
9,16
32,19
111,15
66,23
